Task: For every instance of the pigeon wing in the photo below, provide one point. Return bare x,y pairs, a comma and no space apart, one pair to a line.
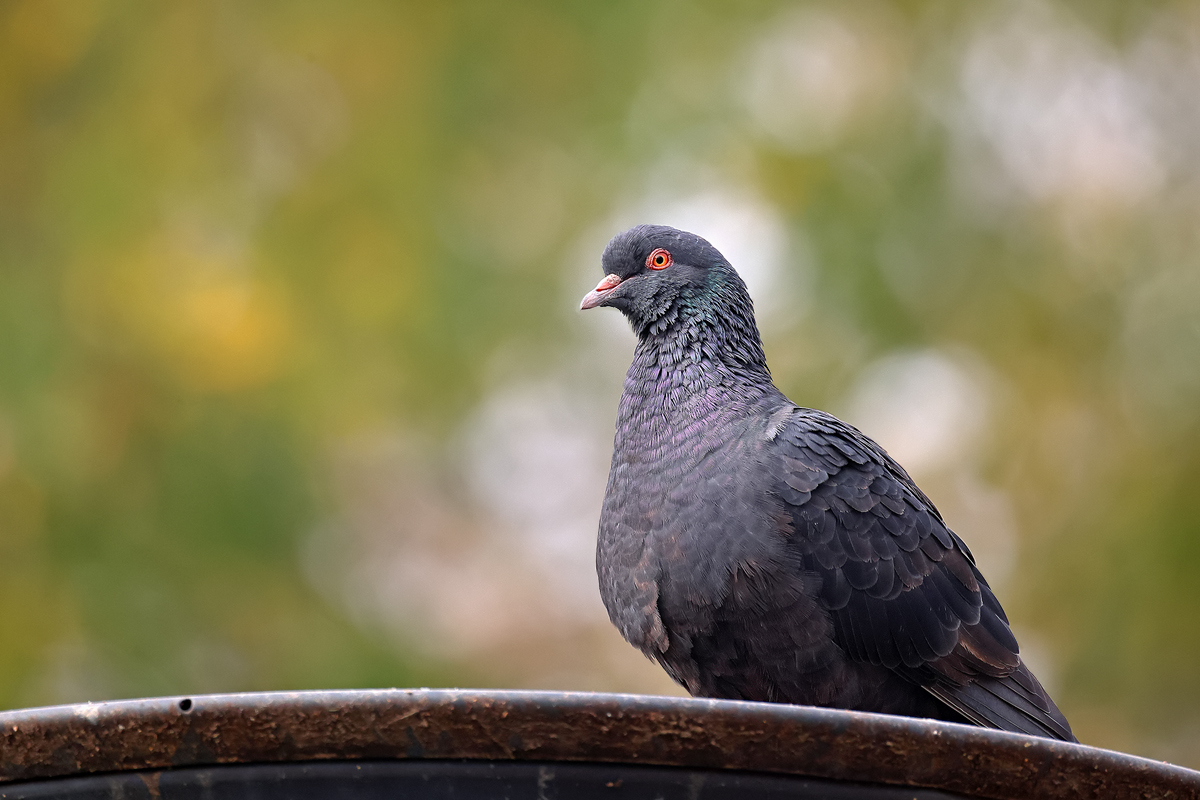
902,589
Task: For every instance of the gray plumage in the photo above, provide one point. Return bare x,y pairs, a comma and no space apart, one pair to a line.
758,550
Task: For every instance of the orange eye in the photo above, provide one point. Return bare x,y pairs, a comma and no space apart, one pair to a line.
659,259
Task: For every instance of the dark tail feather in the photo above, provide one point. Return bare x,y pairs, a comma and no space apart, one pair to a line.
1015,703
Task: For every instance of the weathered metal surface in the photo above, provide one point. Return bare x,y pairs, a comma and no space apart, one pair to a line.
569,727
453,780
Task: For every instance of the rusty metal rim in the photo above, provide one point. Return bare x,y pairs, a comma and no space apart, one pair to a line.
200,730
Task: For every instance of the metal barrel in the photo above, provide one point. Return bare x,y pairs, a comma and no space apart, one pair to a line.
461,744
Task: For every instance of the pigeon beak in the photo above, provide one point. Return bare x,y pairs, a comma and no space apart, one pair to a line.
596,296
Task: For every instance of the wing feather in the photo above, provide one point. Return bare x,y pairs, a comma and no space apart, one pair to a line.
902,589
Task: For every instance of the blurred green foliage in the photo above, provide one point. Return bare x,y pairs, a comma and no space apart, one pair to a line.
235,236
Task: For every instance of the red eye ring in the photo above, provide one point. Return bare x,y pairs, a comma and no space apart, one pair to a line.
659,259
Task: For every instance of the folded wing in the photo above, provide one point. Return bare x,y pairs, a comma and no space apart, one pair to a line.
902,589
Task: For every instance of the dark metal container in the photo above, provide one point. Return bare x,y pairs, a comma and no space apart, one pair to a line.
538,745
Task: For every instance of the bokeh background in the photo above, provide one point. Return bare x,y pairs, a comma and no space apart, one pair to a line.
294,392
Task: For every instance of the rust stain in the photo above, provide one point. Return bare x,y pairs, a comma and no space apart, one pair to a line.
157,734
151,781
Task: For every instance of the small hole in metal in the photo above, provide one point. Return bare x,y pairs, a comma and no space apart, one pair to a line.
185,705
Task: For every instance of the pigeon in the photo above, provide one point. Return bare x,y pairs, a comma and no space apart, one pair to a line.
762,551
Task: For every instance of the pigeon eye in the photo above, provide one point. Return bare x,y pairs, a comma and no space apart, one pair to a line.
659,259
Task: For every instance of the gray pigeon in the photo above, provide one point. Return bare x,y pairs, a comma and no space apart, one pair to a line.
758,550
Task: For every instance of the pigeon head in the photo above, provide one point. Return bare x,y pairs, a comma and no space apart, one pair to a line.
658,276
